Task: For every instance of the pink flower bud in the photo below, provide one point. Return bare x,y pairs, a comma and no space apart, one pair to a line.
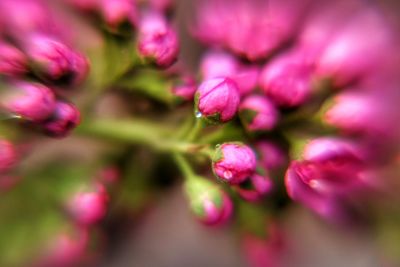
217,99
115,12
255,188
287,79
8,155
12,61
271,156
89,206
64,119
258,113
185,88
31,101
54,60
212,205
234,162
157,41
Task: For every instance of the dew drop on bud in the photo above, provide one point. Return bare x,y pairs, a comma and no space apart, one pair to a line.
227,175
198,114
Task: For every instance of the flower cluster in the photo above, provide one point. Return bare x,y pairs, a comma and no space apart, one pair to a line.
289,100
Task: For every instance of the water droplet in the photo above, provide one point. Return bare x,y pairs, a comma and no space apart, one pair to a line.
198,114
227,175
314,184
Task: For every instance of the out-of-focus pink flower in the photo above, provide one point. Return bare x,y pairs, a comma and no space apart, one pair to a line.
250,28
325,205
12,61
89,206
255,188
371,112
157,40
265,252
258,113
246,78
332,164
8,155
86,5
18,18
234,162
161,5
115,12
109,175
219,64
217,99
54,60
31,101
212,205
185,89
324,20
270,155
8,182
66,249
352,53
64,119
287,80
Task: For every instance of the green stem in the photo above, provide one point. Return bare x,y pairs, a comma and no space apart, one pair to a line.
131,131
196,130
186,127
184,166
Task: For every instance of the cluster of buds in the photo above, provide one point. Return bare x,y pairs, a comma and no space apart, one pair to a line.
286,95
37,64
156,39
327,53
